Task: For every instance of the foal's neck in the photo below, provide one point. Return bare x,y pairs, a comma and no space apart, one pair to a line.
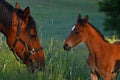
94,41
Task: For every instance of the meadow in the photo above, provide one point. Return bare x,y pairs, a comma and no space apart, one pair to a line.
54,19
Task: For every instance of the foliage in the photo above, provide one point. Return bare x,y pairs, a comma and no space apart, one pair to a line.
111,8
112,39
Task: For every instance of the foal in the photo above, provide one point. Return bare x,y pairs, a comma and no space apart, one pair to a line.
104,58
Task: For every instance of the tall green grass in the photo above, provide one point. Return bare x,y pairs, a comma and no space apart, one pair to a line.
63,65
60,65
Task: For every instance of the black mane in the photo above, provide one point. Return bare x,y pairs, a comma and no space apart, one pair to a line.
83,23
6,12
97,31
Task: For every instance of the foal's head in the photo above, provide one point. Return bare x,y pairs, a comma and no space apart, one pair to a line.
78,33
23,40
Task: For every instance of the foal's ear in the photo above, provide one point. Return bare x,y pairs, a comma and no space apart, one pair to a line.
17,5
86,18
26,14
79,16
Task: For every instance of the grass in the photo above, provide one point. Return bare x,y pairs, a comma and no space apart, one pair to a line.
54,19
60,65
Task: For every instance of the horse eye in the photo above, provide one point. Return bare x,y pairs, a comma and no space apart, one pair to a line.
33,35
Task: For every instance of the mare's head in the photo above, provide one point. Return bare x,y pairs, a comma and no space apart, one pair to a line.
78,33
23,40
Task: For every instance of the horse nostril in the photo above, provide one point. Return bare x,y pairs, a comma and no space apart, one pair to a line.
66,47
30,61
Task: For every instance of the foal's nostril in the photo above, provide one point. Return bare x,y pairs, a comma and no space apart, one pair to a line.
66,47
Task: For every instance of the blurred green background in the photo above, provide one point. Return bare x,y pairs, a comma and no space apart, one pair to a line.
57,17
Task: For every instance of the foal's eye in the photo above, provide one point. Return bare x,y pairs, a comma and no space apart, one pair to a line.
77,32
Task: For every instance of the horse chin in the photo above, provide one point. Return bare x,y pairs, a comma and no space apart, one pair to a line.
33,68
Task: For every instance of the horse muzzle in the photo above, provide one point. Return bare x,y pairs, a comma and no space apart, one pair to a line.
35,67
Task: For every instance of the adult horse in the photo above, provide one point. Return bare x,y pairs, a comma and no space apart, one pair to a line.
104,58
21,35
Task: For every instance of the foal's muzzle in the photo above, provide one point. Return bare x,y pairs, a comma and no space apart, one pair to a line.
66,47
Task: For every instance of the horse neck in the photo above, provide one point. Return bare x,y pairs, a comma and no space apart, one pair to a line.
6,13
94,41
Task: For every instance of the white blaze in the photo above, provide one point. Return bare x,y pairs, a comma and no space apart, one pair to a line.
73,28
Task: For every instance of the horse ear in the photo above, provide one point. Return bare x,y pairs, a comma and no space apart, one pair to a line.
26,14
14,19
86,18
17,5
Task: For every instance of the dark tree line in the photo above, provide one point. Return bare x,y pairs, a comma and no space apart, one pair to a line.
111,8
